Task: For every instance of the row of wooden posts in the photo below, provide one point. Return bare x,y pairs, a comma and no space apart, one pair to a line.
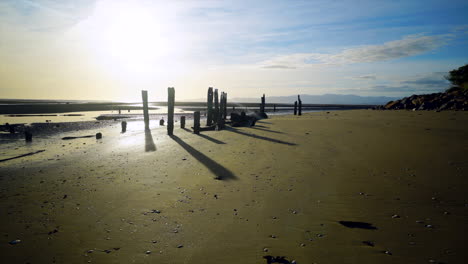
216,110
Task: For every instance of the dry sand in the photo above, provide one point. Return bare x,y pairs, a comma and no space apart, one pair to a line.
290,177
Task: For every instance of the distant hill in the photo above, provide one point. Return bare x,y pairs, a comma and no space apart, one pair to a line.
321,99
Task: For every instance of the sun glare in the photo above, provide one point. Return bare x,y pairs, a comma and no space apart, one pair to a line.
129,37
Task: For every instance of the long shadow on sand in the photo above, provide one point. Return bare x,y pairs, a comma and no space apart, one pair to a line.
211,139
149,143
206,137
231,129
267,130
217,169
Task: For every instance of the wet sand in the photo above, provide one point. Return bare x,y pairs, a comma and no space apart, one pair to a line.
283,187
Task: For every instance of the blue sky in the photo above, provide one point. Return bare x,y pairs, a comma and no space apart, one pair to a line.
111,49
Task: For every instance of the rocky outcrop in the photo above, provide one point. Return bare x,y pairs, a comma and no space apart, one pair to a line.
453,99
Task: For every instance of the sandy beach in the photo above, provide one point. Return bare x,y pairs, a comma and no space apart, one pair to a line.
282,189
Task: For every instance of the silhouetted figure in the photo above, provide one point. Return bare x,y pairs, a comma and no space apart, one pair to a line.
262,106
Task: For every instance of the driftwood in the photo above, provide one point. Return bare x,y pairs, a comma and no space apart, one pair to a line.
242,119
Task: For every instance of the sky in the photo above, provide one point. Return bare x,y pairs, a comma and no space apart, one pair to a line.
113,49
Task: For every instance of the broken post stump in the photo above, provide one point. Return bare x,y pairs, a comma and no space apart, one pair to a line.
161,122
144,95
295,108
209,110
98,135
124,126
182,122
27,136
196,122
170,110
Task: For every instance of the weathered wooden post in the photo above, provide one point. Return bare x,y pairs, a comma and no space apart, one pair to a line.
225,106
196,122
216,106
295,108
124,126
209,118
144,95
27,136
262,106
182,122
220,120
170,110
300,105
161,122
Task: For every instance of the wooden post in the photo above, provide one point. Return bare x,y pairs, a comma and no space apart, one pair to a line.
196,122
27,136
300,105
274,108
220,120
170,110
225,106
295,108
262,106
209,118
144,95
124,126
182,122
216,106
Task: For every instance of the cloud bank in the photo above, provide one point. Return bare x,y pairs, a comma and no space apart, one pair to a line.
406,47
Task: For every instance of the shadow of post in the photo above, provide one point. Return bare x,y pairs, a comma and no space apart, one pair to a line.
149,143
231,129
211,139
267,130
217,169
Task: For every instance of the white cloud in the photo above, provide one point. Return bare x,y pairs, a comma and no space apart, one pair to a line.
406,47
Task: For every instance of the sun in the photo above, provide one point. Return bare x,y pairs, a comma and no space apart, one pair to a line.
130,37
